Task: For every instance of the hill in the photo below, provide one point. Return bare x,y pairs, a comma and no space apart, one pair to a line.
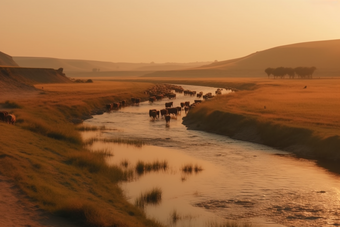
70,65
324,55
17,79
6,60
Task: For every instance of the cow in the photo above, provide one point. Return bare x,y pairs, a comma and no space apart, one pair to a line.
159,97
11,119
187,103
108,106
123,103
116,105
167,118
173,111
152,99
199,95
164,112
154,113
151,110
171,95
182,104
3,115
186,109
168,104
198,101
179,109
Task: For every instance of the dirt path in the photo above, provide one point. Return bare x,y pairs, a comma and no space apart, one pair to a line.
18,211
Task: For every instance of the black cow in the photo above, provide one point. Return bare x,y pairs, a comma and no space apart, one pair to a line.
168,104
173,111
116,105
3,115
152,99
164,112
167,118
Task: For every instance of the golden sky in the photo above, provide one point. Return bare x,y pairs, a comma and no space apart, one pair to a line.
161,30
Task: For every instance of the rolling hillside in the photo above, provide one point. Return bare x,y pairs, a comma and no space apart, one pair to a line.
324,55
87,65
6,60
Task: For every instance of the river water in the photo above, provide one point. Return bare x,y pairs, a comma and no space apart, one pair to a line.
239,180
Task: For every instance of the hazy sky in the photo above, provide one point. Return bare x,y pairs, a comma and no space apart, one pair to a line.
161,30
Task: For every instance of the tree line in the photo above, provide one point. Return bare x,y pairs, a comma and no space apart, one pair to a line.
299,72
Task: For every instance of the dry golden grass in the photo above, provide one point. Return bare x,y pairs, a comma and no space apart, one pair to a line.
45,156
278,113
287,102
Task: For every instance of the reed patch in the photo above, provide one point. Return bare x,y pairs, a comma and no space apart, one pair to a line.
145,167
153,197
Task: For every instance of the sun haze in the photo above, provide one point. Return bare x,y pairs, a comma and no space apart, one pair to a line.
162,31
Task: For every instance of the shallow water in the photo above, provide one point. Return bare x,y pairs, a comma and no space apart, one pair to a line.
240,180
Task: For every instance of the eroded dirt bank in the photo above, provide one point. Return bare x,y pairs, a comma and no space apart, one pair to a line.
298,116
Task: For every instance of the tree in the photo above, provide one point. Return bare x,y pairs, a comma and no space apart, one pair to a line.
269,71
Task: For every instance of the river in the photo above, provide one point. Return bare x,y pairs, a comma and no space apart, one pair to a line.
236,180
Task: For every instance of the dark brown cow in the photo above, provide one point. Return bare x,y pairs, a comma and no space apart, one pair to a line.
11,119
150,111
152,99
159,97
135,101
108,106
198,101
199,95
186,109
3,115
171,95
179,109
154,113
168,104
167,118
182,104
172,111
164,112
116,105
123,103
187,103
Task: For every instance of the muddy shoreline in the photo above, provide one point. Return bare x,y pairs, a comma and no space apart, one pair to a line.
299,142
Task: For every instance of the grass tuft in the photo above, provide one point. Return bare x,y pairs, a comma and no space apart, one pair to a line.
152,197
89,128
174,216
190,168
142,167
137,143
228,224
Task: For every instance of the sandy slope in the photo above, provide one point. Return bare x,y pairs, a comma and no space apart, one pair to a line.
324,55
17,211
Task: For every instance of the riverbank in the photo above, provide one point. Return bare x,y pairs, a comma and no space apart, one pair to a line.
44,157
299,116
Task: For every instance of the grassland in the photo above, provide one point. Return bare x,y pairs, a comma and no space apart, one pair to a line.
44,155
279,113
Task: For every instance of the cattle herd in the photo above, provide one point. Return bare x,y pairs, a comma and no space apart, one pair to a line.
161,91
8,118
171,111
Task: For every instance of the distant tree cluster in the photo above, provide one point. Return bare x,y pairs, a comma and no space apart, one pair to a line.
299,72
82,81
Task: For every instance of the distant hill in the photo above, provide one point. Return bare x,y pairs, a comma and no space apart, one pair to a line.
6,60
324,55
70,65
17,79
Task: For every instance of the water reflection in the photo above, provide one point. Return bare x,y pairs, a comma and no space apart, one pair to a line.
239,181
